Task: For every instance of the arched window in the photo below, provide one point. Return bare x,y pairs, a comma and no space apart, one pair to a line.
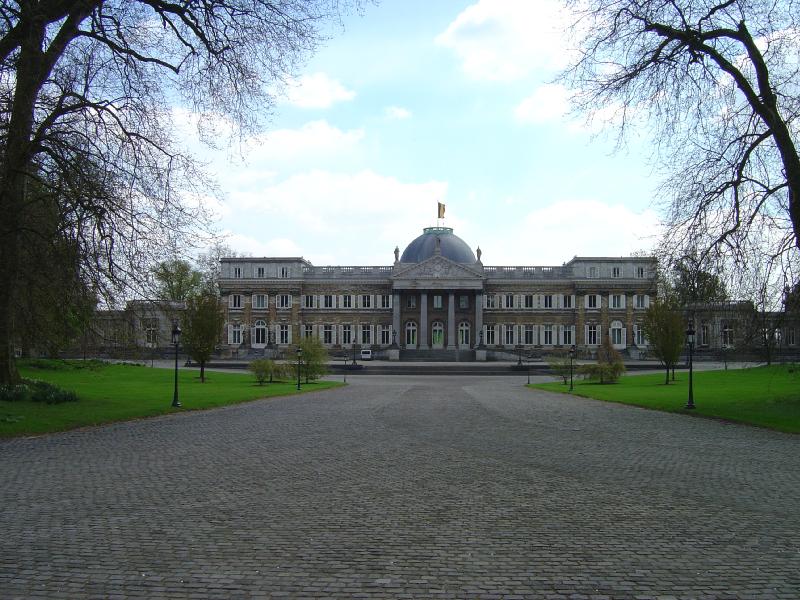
463,334
260,338
437,334
411,334
617,333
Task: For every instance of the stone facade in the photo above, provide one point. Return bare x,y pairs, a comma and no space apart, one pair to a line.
436,303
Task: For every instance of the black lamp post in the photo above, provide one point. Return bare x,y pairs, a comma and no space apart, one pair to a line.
572,352
394,338
176,340
690,343
299,359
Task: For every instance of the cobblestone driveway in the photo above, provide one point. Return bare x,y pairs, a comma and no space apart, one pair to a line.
404,488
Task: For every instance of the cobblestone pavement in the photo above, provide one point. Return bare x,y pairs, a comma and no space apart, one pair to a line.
404,487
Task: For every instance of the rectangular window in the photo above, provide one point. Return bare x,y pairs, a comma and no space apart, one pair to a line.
529,334
592,301
411,302
347,301
327,301
386,335
309,302
366,301
616,272
237,272
386,301
283,334
490,336
704,334
640,272
509,335
150,327
528,300
591,337
616,336
261,301
592,272
260,272
616,301
463,302
284,272
346,334
308,330
366,334
567,301
236,301
548,335
568,336
790,339
640,303
437,302
327,334
509,301
548,301
491,301
284,301
640,340
236,334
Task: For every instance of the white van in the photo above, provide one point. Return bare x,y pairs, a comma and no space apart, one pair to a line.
366,355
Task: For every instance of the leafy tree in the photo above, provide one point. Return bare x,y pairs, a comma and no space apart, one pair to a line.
176,280
203,320
314,358
84,113
665,330
718,83
691,283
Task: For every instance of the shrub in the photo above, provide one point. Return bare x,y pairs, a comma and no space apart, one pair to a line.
36,391
263,369
559,364
609,366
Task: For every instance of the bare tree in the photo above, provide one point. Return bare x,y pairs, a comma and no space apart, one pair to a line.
85,91
717,81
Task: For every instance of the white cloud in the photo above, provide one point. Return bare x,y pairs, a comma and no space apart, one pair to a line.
555,233
341,218
317,90
547,103
397,113
503,40
314,137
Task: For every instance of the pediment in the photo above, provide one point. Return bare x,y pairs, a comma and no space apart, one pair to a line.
438,268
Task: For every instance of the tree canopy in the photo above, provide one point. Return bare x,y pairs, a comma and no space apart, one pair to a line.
86,96
665,328
717,82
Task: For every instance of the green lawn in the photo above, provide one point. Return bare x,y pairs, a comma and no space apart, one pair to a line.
121,392
763,396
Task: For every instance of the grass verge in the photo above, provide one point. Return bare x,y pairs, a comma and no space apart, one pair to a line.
110,393
763,396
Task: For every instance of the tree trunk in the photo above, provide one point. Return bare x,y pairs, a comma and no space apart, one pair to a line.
202,371
666,376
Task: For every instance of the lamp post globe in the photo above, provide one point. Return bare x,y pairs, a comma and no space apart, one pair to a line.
176,340
690,344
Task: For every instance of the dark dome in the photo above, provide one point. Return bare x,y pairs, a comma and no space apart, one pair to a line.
452,247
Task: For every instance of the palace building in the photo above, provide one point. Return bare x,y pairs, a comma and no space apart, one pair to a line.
437,300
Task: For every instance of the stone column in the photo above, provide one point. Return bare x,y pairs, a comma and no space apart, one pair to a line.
451,321
478,319
396,317
423,321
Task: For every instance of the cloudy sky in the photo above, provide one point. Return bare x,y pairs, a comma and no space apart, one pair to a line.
416,102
